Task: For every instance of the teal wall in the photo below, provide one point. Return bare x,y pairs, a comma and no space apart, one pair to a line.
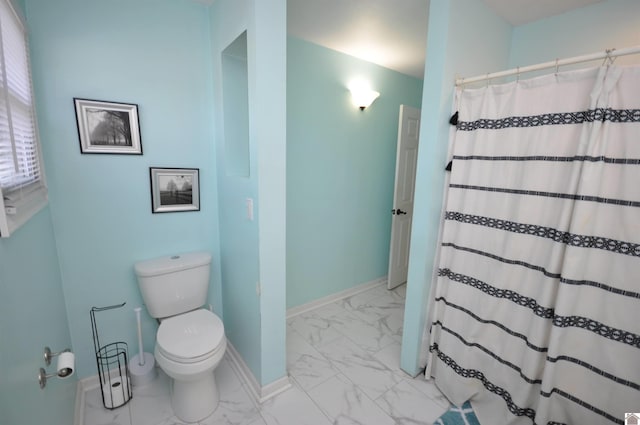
32,316
340,170
238,236
253,252
465,38
340,167
235,94
268,126
148,52
609,24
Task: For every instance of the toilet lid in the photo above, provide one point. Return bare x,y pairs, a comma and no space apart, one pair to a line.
190,335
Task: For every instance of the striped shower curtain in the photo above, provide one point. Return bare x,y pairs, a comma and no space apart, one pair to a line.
536,317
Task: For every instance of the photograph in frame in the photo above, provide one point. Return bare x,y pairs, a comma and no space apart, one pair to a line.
174,189
108,127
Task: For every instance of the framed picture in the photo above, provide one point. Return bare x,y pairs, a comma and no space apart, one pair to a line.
174,189
108,127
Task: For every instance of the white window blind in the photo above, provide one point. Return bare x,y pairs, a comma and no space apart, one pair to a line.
22,184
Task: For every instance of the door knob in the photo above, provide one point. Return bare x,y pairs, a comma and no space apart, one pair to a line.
399,211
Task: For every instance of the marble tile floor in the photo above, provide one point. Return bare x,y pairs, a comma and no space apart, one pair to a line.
343,362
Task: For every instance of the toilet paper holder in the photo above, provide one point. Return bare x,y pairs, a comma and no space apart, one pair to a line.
64,368
112,363
48,355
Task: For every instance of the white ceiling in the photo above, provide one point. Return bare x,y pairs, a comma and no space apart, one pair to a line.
518,12
392,33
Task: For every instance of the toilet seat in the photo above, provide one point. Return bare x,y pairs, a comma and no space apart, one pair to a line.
190,337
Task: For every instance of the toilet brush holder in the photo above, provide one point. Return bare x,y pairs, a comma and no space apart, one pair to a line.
143,370
142,367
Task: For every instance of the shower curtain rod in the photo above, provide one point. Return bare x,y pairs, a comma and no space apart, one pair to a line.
609,53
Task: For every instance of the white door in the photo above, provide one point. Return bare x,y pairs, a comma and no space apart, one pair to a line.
407,154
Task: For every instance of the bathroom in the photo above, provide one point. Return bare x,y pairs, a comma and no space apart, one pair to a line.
99,220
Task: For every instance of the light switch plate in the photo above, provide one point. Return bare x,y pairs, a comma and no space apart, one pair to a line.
250,209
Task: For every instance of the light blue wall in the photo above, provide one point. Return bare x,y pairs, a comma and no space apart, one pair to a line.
32,316
464,38
268,125
610,24
235,94
340,170
148,52
238,235
253,252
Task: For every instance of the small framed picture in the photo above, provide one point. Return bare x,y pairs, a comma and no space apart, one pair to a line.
108,127
174,189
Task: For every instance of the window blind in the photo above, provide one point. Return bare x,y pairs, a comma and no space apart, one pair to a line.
21,177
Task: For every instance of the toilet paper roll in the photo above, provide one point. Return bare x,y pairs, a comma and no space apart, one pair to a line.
116,392
66,364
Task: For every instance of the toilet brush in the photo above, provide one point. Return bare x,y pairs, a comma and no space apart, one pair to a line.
142,365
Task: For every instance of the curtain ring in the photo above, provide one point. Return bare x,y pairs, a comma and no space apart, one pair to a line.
612,59
608,60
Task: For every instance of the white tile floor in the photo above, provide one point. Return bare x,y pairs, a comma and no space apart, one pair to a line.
343,361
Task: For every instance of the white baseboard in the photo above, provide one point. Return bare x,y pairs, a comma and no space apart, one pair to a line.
84,385
276,387
259,393
90,382
263,393
304,308
78,411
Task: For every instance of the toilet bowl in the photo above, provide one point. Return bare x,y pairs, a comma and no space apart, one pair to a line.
189,347
190,342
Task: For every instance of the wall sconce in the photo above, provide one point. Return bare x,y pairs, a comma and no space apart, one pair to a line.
362,95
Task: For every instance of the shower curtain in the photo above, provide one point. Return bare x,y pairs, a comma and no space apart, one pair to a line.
536,317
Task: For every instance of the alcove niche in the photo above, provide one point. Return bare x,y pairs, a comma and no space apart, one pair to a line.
235,104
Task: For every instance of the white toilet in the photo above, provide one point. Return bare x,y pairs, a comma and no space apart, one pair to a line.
190,342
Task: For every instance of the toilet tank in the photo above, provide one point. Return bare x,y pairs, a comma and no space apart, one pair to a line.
174,284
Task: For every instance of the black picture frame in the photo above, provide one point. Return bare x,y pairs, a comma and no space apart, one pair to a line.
174,189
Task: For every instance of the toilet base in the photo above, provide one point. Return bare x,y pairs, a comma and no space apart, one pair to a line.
193,401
